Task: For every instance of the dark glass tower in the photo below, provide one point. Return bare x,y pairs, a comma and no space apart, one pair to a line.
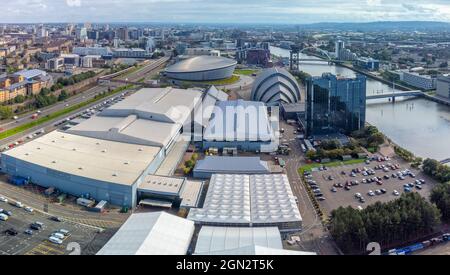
335,104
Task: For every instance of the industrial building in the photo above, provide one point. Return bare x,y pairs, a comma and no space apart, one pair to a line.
157,233
240,124
202,68
216,240
274,86
110,156
205,168
249,201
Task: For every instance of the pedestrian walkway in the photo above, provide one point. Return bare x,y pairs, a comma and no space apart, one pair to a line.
173,159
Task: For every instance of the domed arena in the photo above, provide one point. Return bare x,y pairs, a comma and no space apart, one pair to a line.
202,68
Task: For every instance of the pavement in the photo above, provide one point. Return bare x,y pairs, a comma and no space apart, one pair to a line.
314,236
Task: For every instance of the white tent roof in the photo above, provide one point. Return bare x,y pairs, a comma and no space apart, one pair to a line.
254,199
213,239
156,233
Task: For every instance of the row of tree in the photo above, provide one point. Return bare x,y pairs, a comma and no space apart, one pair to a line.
440,195
67,81
398,221
333,149
436,170
369,137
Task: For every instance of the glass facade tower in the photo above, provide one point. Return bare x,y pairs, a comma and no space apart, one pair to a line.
335,104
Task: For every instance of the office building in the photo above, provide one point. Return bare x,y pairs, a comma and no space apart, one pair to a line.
335,104
210,165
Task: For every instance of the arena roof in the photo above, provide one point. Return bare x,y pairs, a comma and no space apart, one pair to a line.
201,63
102,160
248,199
239,120
276,85
156,233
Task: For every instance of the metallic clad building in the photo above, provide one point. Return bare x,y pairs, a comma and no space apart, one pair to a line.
335,104
202,68
276,85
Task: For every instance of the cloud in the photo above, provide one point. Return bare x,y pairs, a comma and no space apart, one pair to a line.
238,11
73,3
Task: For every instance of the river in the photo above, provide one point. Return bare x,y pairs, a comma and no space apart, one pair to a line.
419,125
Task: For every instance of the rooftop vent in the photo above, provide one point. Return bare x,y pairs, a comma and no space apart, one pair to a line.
115,175
104,151
140,149
27,154
54,161
53,141
126,162
39,148
74,149
80,168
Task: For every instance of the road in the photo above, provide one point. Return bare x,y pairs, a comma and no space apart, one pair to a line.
313,237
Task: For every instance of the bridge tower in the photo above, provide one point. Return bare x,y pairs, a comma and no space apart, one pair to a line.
294,60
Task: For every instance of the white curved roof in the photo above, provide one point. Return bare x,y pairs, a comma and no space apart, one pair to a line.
276,85
201,63
156,233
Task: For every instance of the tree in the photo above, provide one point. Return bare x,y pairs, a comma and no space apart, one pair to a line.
19,99
311,154
5,112
444,64
440,195
63,95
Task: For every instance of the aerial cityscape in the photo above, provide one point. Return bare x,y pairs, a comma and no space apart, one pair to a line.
248,128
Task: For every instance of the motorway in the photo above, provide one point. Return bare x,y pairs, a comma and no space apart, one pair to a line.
149,69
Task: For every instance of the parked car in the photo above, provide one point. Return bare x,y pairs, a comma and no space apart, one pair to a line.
29,209
3,199
28,232
11,232
55,240
371,193
56,219
396,193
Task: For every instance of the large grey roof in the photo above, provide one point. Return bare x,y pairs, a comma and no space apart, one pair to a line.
201,63
276,85
224,164
239,120
157,233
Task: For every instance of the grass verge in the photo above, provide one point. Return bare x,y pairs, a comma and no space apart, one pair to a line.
309,167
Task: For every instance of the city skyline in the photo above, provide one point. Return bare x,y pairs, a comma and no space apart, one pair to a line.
207,11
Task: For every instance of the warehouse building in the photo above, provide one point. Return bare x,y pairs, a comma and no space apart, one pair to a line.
274,86
240,124
249,201
202,68
216,240
157,233
109,156
205,168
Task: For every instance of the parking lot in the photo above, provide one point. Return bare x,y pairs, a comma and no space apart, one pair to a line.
38,244
341,187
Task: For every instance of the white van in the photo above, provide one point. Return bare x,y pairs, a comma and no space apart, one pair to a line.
55,240
19,204
3,217
58,235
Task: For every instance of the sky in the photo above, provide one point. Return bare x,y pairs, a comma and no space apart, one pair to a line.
222,11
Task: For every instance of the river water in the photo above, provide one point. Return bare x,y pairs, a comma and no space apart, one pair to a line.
419,125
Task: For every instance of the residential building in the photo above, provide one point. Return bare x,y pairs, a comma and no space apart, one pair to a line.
424,82
443,86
